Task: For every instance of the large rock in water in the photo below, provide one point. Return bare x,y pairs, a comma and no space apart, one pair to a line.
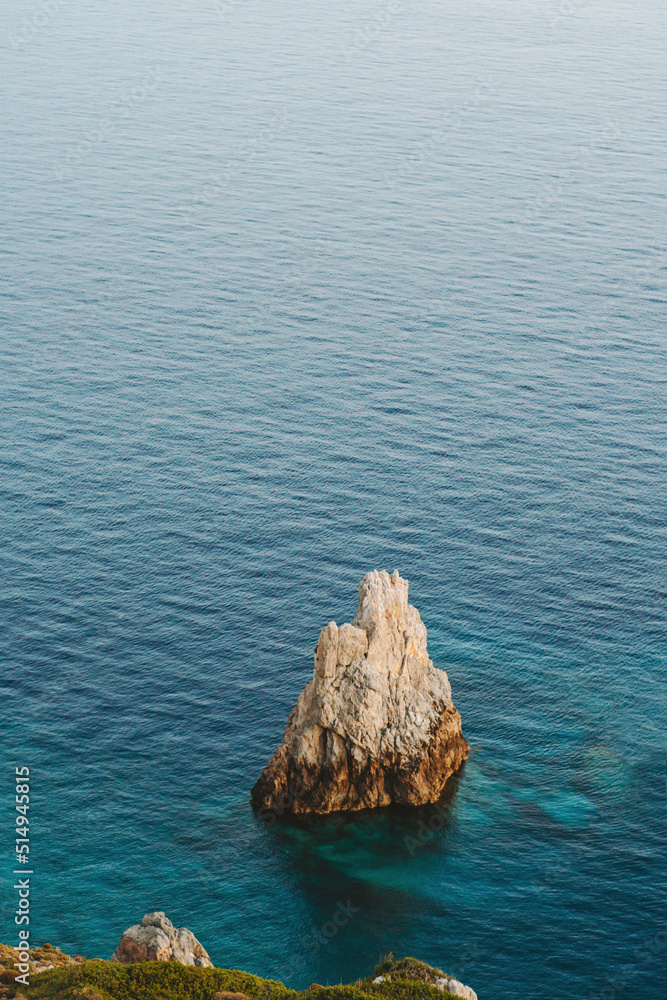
376,724
156,939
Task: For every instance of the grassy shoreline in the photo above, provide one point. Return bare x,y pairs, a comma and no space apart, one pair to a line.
78,979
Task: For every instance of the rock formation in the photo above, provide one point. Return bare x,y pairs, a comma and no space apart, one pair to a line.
456,988
376,724
156,939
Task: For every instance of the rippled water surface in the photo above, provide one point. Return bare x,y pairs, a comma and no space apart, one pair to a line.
294,291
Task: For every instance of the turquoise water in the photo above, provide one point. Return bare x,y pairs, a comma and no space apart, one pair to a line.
293,292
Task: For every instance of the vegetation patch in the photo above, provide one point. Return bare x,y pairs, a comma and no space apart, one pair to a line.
148,981
39,959
408,968
76,979
365,989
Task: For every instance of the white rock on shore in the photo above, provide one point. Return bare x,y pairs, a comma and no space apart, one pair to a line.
156,939
457,988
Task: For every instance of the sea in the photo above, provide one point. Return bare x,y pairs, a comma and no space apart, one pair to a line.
293,291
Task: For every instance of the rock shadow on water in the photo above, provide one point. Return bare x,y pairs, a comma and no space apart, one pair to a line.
365,879
375,846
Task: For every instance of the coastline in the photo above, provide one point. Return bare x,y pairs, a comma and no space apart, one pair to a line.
57,976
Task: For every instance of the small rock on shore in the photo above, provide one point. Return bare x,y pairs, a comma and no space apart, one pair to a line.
156,939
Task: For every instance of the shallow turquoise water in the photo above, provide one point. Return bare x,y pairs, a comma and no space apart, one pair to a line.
294,292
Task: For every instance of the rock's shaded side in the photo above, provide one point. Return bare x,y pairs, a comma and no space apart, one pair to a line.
156,939
376,725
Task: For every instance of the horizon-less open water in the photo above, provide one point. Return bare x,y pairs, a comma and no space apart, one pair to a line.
294,291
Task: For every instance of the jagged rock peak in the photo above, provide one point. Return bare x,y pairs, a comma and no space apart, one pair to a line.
156,939
376,724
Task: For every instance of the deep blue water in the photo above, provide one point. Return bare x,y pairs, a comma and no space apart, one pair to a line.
294,291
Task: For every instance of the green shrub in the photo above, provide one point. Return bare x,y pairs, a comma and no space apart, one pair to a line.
407,979
147,980
406,989
408,968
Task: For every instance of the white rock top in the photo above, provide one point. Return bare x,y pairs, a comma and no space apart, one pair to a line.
374,683
457,988
156,939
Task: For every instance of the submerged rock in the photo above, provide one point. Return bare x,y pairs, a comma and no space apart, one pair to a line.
156,939
376,725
